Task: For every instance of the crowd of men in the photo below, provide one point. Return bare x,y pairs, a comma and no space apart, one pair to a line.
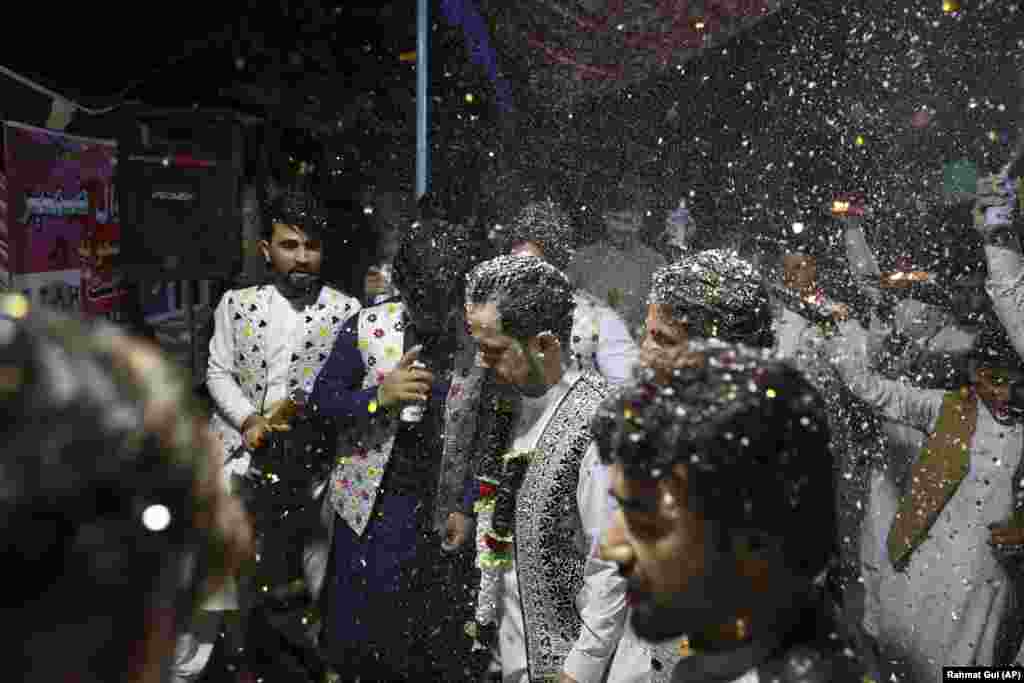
516,462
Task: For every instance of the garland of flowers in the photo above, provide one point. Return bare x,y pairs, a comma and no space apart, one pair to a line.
499,472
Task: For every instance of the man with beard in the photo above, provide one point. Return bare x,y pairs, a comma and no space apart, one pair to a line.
726,519
542,497
268,347
934,550
390,613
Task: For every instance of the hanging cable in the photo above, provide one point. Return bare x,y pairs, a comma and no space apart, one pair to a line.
54,95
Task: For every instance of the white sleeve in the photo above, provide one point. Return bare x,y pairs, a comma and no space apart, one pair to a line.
602,601
220,372
617,353
918,408
863,265
1005,286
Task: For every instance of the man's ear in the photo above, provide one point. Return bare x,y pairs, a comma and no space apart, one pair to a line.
549,343
672,492
265,248
544,344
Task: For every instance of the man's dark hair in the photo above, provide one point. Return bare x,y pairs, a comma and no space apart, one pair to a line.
350,247
531,296
297,208
80,472
754,436
433,259
545,224
718,295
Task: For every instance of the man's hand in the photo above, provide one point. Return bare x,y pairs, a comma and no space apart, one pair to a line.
566,678
840,313
405,383
255,430
458,529
281,413
994,192
376,282
1004,534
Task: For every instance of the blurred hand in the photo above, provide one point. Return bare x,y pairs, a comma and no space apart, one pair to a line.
255,431
405,384
840,313
376,283
993,191
458,529
566,678
281,413
1004,534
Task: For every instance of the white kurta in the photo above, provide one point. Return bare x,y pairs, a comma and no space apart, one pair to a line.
602,600
601,341
1005,286
945,608
284,334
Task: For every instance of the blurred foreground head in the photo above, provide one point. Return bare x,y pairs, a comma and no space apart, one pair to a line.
725,485
112,512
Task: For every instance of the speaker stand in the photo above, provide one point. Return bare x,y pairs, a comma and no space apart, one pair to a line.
190,325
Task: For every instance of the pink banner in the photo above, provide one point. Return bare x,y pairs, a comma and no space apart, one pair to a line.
62,212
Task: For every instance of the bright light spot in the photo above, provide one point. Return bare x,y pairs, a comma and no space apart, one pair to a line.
798,228
469,98
993,136
16,306
859,141
368,210
950,6
156,517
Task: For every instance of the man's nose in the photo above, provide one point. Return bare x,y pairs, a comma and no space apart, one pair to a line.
614,546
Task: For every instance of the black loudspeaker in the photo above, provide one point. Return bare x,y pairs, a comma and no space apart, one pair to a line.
178,181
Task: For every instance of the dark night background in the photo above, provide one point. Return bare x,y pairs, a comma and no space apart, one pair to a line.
762,129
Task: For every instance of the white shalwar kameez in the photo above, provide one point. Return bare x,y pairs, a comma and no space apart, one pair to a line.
944,609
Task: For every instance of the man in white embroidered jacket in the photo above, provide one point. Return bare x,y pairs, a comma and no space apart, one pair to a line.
268,347
547,603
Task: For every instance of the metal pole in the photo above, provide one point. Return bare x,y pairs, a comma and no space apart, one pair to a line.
422,95
190,325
